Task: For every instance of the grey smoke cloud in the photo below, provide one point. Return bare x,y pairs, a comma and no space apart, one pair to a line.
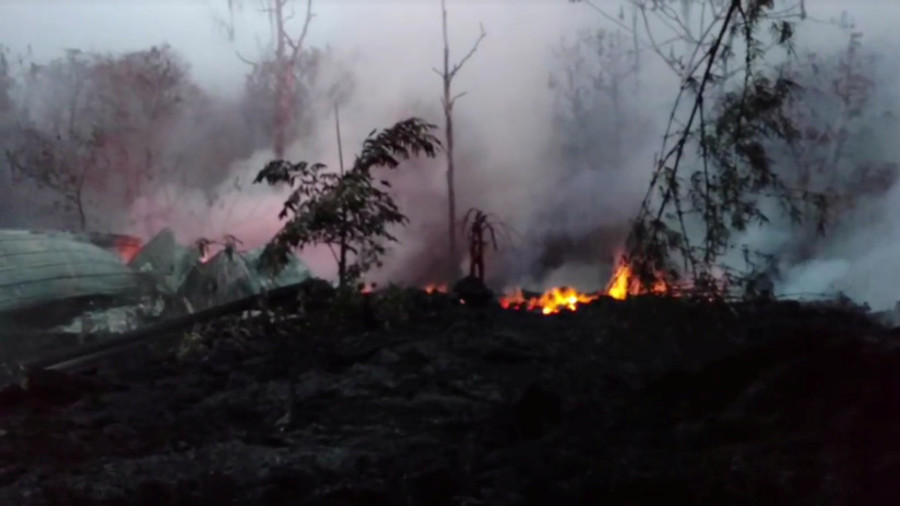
508,147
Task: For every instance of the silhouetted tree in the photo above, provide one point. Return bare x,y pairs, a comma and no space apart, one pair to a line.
351,210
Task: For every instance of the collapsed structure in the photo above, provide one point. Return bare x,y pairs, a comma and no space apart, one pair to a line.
47,277
107,284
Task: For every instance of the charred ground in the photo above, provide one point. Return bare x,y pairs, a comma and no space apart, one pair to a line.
402,397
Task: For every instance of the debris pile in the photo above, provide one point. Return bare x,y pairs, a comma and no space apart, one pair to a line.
47,278
54,285
229,276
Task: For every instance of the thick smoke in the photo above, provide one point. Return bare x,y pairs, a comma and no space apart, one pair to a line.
565,174
504,124
857,252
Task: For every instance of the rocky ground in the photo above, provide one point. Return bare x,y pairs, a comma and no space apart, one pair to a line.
409,399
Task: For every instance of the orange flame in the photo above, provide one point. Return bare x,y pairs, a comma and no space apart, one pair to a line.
433,288
623,283
550,302
127,248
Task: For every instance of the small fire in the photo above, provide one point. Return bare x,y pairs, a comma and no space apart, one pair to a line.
128,247
551,302
435,288
623,284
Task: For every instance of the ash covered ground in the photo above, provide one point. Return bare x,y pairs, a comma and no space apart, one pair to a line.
408,398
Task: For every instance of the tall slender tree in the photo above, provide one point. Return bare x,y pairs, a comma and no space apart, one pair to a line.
448,99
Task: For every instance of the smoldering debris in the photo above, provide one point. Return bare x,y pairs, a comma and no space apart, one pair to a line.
228,276
62,289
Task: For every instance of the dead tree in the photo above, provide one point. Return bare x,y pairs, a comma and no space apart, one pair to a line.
447,100
481,229
287,60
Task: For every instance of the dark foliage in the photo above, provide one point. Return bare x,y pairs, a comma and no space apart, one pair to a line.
353,210
480,232
734,175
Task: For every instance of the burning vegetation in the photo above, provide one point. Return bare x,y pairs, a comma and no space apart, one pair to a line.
621,285
624,283
552,301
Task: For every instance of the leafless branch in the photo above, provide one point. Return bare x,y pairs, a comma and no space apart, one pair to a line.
459,65
245,60
609,17
458,95
297,46
290,15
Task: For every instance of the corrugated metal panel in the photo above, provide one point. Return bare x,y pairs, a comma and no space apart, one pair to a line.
169,261
39,268
224,279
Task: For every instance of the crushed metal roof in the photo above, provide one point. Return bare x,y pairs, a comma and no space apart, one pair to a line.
38,268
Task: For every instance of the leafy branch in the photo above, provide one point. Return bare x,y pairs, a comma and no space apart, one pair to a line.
352,211
725,194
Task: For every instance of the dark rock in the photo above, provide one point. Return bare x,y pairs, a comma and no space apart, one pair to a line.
436,486
12,395
473,292
537,412
55,387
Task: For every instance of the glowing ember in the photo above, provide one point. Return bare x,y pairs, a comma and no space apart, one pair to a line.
623,284
551,302
127,247
436,289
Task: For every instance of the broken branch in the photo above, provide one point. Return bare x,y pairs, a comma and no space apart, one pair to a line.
458,95
459,65
245,60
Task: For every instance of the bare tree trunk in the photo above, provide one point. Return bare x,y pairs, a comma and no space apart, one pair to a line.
617,121
342,261
637,45
281,92
288,52
448,100
453,267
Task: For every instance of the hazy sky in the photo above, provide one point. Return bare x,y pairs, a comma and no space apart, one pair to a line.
191,26
49,26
